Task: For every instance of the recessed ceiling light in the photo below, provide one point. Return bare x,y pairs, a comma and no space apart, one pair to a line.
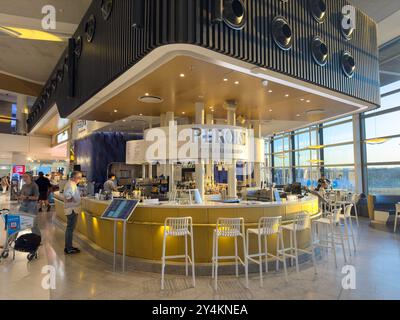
237,82
225,79
270,110
124,120
301,99
308,101
115,111
141,114
147,94
182,75
270,91
183,112
297,115
286,95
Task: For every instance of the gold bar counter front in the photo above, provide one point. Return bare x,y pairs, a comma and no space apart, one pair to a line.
144,236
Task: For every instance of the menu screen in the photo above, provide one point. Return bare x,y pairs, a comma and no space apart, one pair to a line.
120,209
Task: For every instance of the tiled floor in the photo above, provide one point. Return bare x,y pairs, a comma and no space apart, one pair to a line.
82,276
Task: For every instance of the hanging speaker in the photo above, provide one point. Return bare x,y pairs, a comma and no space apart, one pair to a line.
319,51
318,9
231,12
71,67
348,64
282,33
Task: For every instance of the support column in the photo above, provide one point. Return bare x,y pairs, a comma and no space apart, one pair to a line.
143,171
232,181
22,112
250,165
199,167
210,164
257,165
358,168
170,117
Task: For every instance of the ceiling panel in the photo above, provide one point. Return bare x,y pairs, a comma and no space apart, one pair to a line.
377,9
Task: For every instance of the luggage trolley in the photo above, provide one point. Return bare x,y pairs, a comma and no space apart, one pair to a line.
14,224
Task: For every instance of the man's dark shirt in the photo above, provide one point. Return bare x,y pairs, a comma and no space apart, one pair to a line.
43,184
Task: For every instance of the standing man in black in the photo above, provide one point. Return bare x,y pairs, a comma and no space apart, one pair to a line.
44,188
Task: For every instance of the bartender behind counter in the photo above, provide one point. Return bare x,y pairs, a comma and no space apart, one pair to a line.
109,185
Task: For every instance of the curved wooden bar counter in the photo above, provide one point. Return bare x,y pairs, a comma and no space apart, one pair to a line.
145,229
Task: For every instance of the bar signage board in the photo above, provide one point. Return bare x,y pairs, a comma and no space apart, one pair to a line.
120,210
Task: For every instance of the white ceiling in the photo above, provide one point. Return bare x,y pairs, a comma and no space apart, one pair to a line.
377,9
34,60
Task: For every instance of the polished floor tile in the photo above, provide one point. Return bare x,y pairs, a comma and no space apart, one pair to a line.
376,261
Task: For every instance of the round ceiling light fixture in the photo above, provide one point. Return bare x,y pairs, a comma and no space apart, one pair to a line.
150,99
315,112
282,33
348,64
318,10
319,51
234,14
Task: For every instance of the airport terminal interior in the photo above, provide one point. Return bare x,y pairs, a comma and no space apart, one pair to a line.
199,150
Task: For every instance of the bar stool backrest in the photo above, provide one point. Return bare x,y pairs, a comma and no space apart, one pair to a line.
336,215
270,225
177,227
355,198
302,221
230,227
347,210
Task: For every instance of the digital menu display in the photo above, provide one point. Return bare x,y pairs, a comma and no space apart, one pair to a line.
120,209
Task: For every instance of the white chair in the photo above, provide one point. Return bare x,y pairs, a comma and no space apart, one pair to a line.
397,216
179,227
267,226
348,226
353,200
301,223
228,228
327,234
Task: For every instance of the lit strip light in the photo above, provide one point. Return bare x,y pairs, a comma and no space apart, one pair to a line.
376,141
30,34
316,147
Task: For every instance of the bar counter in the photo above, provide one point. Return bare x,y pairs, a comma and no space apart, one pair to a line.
145,228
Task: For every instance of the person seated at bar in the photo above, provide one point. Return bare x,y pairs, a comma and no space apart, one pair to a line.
109,185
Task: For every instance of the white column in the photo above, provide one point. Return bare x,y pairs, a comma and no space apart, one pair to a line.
199,119
22,111
257,165
143,171
199,167
210,164
170,117
232,181
358,169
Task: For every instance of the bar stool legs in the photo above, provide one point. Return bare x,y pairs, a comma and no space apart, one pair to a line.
228,228
267,226
178,227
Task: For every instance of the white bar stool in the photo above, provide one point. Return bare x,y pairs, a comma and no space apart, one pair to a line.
397,216
301,223
179,227
348,226
267,226
353,200
333,234
228,228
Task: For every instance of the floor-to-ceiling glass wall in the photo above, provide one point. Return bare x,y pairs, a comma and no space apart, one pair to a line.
382,144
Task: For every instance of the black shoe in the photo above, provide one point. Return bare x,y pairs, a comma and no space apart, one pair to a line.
48,208
71,251
77,250
40,209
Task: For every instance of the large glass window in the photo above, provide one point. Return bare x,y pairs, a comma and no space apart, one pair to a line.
339,155
340,133
384,180
341,177
382,144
